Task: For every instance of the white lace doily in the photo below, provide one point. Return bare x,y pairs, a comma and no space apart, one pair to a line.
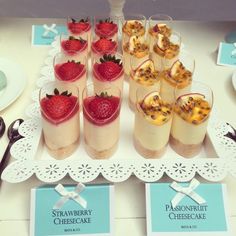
31,156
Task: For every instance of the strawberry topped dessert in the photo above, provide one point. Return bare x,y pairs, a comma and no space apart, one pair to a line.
101,123
108,72
74,47
60,121
71,71
103,46
106,28
80,28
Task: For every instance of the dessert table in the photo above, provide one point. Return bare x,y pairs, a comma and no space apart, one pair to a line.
200,38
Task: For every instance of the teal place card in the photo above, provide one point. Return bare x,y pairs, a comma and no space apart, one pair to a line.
178,209
72,210
227,54
44,35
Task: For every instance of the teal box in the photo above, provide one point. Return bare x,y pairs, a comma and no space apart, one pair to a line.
52,215
227,54
187,217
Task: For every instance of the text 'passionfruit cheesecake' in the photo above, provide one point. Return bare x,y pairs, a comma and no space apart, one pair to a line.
175,81
134,53
153,32
145,79
152,125
165,52
189,126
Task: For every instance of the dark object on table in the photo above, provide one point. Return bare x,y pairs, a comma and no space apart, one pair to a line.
232,133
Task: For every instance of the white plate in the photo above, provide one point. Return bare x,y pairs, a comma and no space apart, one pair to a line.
234,80
16,82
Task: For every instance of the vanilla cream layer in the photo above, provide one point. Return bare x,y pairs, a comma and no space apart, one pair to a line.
144,90
135,61
79,56
161,63
100,85
188,133
85,35
113,37
102,137
63,134
150,136
169,93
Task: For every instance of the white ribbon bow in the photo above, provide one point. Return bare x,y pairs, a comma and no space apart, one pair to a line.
66,195
186,191
48,29
233,53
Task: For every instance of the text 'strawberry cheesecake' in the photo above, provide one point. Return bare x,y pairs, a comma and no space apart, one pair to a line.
80,28
74,73
75,49
132,28
109,72
101,124
60,122
165,52
134,53
175,81
103,46
191,115
106,28
145,79
153,119
153,32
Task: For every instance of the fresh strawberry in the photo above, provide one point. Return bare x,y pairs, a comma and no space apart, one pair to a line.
102,109
104,45
59,107
70,70
73,44
77,27
109,68
106,28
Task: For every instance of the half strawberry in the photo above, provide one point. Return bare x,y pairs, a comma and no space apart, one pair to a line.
74,44
104,46
76,26
106,28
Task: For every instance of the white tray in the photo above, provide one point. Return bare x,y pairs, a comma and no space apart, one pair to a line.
216,160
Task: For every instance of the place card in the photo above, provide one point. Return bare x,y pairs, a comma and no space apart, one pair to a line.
177,209
72,210
227,54
44,35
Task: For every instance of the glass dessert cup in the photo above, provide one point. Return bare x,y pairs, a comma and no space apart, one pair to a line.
166,51
108,71
158,24
103,46
190,119
106,27
70,71
80,27
101,114
177,80
143,78
152,126
73,48
133,25
137,51
60,111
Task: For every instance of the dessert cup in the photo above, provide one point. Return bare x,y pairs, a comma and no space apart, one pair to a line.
103,46
137,51
158,24
152,125
166,51
106,27
59,105
190,119
133,25
73,48
101,114
177,80
107,72
70,71
143,78
80,27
